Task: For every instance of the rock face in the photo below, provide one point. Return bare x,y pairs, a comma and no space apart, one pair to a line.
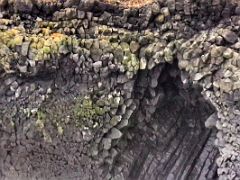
93,90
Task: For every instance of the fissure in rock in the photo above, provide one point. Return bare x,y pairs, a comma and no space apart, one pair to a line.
168,138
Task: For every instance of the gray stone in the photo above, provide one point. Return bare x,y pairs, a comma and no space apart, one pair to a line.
216,51
143,63
22,69
96,54
228,53
87,135
81,31
155,8
75,57
228,74
154,83
168,55
89,16
9,80
134,46
165,11
182,64
198,77
151,64
115,120
97,65
123,109
229,36
115,133
123,123
25,47
159,19
211,121
122,79
106,143
81,14
32,63
14,86
63,49
18,92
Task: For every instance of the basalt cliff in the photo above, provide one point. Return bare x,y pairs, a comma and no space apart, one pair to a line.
120,90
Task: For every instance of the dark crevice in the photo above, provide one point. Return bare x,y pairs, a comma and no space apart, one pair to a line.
173,134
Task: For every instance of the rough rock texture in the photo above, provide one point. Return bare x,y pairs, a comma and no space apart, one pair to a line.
92,90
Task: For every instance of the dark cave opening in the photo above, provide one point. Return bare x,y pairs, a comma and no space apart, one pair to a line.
168,138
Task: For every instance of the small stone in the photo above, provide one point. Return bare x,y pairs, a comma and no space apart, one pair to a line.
116,102
107,143
46,50
32,87
81,31
81,14
34,111
165,11
63,49
159,19
99,84
88,43
60,130
228,74
168,55
115,120
154,83
49,90
14,86
96,54
32,63
143,63
237,10
89,16
151,64
228,53
125,46
198,77
211,121
85,23
229,36
87,135
18,92
123,109
134,46
121,79
182,64
115,134
75,57
25,47
94,150
38,19
123,123
216,51
18,40
105,15
226,86
9,81
97,65
155,8
22,69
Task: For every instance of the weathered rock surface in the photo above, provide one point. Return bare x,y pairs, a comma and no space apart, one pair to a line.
92,90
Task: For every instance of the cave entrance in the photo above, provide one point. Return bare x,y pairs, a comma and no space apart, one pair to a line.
168,138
